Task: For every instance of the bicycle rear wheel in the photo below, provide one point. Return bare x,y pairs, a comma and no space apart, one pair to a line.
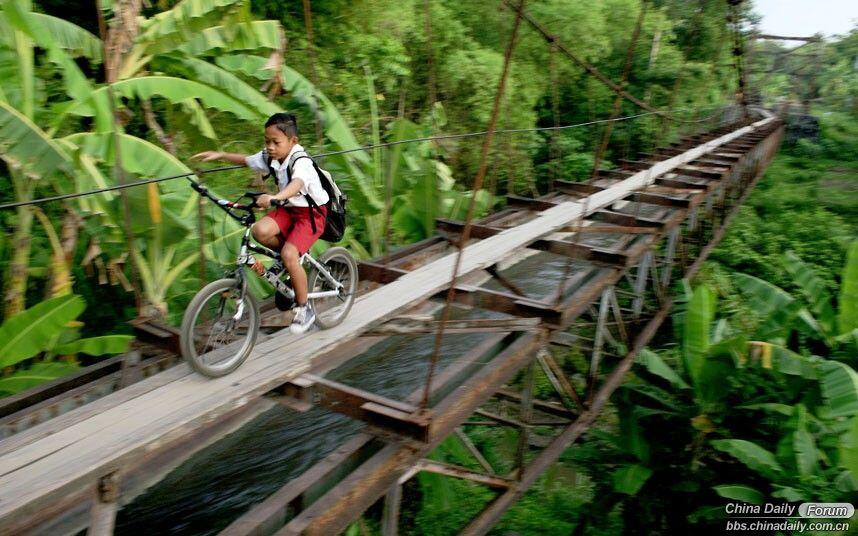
331,310
219,328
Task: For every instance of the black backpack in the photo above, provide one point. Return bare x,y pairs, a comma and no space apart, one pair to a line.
335,221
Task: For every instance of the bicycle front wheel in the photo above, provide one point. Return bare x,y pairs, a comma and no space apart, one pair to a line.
341,266
219,328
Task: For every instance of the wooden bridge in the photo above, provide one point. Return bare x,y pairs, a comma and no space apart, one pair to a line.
661,216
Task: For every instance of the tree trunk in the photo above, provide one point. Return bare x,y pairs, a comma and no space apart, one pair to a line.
61,280
16,277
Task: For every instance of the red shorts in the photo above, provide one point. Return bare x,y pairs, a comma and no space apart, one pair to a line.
295,226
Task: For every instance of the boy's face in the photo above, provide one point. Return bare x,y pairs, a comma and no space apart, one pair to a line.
277,143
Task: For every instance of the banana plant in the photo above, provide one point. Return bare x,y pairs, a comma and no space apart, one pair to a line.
161,220
39,334
694,397
813,312
176,41
32,156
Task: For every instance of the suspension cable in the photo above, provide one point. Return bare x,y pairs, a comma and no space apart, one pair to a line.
318,156
618,99
550,38
441,137
478,183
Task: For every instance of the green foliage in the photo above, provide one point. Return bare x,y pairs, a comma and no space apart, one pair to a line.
840,388
38,373
656,365
752,455
777,313
847,319
739,493
107,344
804,205
671,441
45,330
36,329
24,146
630,479
695,340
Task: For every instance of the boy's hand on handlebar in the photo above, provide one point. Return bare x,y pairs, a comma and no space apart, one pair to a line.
208,156
264,201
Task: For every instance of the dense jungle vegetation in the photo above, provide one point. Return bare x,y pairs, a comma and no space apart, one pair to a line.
202,75
750,394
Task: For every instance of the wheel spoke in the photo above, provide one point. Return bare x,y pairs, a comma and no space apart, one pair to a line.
217,339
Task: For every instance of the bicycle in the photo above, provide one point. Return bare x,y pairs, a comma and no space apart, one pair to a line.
208,337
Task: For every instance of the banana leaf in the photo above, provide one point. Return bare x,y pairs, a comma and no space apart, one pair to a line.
752,455
173,28
25,147
175,90
813,288
839,388
695,334
256,35
39,373
31,331
656,365
139,157
631,478
108,344
803,444
75,40
218,78
847,314
738,492
773,306
848,449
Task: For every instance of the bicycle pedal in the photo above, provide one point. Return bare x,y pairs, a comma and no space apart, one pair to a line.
283,303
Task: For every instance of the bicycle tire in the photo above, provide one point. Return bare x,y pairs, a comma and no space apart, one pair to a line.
349,279
187,339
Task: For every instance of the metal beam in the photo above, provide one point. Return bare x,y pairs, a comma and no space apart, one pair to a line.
391,415
502,302
559,247
421,326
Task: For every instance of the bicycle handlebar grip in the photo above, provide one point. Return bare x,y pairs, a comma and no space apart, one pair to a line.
278,203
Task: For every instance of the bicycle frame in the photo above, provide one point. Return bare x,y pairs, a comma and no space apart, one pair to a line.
247,220
273,278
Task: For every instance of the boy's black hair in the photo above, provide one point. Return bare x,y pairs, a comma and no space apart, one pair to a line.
285,123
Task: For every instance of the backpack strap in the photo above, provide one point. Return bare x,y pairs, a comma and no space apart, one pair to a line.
271,172
311,203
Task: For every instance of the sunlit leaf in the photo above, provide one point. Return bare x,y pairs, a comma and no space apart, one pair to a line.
30,332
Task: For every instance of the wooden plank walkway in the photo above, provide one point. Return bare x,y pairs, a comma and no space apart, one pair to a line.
51,460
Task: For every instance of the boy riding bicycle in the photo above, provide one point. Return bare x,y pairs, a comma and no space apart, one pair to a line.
290,230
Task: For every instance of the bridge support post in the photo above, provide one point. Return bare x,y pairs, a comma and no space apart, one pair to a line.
390,516
525,415
104,507
692,219
672,240
599,340
640,285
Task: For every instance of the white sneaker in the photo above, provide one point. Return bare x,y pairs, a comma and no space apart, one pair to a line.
304,318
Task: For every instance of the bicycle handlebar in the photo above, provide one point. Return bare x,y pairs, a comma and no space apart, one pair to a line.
228,206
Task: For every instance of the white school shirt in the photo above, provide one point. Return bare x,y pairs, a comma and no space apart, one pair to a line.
301,169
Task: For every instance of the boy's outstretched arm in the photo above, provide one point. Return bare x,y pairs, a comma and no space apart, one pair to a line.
208,156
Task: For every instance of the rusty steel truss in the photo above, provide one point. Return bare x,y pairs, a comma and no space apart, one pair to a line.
609,305
608,311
